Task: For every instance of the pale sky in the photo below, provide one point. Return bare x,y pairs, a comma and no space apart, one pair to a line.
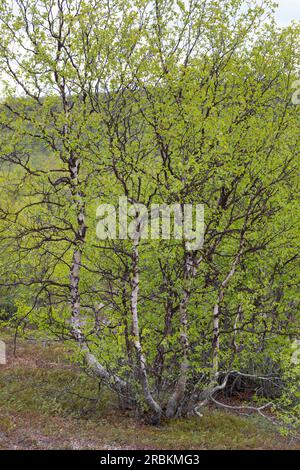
288,10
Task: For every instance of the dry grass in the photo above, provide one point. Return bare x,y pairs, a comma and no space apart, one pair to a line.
48,403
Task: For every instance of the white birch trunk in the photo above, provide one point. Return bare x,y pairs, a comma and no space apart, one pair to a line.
93,364
216,313
190,270
153,405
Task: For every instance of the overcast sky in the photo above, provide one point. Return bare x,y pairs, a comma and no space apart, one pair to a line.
288,10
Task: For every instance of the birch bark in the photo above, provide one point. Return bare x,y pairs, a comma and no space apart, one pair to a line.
143,376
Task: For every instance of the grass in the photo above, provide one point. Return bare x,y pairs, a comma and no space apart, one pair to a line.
48,403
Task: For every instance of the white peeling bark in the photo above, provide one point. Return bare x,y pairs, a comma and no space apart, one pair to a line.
216,312
216,335
153,405
180,387
235,329
101,372
80,235
190,270
79,242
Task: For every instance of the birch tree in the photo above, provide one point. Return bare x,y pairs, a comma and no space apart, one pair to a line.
163,102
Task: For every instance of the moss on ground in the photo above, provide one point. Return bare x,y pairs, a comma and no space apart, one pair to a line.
47,403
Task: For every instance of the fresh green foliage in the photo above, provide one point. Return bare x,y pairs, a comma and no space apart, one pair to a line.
162,102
